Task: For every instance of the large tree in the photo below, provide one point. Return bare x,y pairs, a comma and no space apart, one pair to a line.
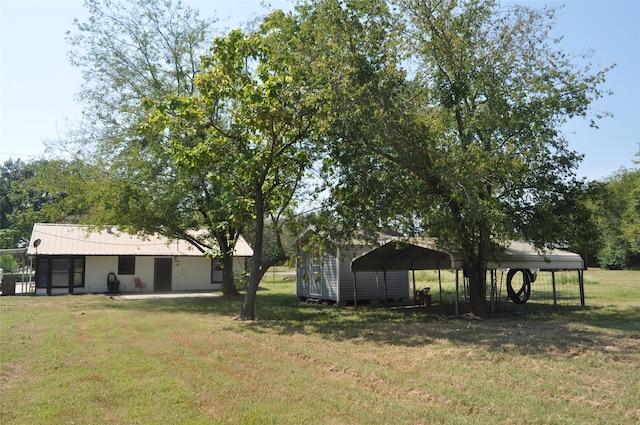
618,212
40,191
468,147
15,196
131,52
244,135
128,50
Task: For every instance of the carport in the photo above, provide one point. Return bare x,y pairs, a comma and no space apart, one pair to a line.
9,286
412,254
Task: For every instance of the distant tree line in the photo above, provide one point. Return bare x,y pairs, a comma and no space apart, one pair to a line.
34,191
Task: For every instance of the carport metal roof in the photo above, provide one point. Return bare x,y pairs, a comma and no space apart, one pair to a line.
425,254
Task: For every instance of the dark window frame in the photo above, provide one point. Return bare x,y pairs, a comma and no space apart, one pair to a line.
126,265
75,271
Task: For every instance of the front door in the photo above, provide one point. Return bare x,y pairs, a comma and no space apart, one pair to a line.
162,274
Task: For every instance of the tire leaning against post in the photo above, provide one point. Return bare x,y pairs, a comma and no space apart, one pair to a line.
523,294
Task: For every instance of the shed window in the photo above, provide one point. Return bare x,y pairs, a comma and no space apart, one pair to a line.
127,264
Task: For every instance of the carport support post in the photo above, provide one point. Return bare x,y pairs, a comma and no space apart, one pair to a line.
581,284
355,292
440,284
384,276
492,296
413,275
457,280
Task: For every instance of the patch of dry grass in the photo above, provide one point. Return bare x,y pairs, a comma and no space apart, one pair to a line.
91,359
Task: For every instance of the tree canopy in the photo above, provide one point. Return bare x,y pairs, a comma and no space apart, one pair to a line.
468,146
617,209
132,54
194,141
245,133
40,191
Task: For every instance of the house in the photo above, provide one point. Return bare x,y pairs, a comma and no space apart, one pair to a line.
327,277
76,259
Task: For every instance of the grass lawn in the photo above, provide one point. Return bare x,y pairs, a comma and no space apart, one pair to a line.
90,359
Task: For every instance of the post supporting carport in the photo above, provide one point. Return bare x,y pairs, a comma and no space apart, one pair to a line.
355,290
384,276
413,276
457,282
581,285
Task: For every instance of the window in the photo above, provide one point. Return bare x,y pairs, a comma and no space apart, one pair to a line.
78,272
127,264
60,272
216,272
42,272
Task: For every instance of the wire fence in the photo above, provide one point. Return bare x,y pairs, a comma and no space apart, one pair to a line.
539,289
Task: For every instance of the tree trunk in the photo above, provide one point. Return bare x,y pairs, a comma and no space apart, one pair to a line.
247,312
476,271
228,285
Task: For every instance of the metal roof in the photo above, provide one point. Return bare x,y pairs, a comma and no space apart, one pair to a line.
73,239
425,254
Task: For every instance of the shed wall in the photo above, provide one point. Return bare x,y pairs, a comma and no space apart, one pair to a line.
330,279
316,276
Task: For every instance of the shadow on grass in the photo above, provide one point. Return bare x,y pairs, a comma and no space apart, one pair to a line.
563,331
217,305
221,306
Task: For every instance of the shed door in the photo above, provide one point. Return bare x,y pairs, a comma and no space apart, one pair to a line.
315,288
162,274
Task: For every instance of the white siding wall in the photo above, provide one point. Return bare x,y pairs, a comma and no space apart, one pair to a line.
316,277
144,270
187,274
371,285
193,274
329,277
97,270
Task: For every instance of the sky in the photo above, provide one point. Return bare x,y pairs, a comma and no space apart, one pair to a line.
38,85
